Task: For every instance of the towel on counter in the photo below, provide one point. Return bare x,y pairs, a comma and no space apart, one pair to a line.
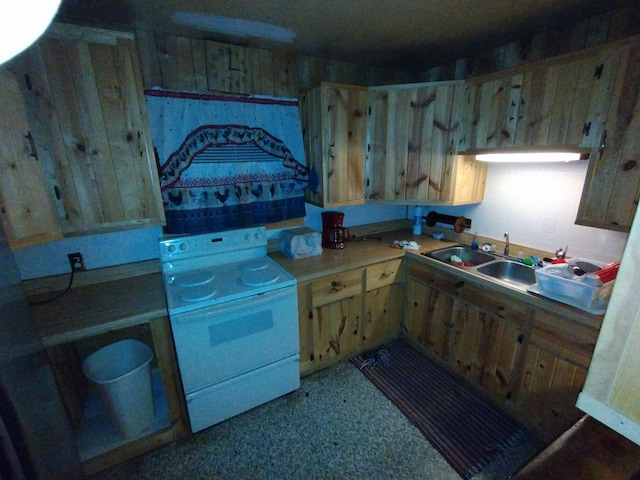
405,245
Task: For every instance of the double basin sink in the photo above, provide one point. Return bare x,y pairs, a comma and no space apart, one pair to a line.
509,272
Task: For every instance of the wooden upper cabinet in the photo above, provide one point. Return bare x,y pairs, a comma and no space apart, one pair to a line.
612,185
559,102
414,132
83,97
334,126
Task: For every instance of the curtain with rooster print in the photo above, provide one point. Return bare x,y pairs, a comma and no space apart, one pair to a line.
205,186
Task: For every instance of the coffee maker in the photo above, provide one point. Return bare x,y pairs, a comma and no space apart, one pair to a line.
334,235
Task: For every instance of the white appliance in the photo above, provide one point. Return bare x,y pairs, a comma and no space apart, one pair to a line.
234,317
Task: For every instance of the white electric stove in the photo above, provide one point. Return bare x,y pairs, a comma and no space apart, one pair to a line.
233,313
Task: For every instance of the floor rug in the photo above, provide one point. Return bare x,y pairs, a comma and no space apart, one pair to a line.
467,430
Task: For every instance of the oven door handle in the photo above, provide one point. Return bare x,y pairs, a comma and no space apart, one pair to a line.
252,302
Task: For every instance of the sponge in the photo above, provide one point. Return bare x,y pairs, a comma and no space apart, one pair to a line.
455,259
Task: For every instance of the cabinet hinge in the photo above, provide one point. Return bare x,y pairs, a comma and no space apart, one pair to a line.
603,142
56,190
586,129
369,109
598,72
508,396
520,338
367,183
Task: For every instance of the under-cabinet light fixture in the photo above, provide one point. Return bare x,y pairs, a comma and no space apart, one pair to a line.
234,27
531,157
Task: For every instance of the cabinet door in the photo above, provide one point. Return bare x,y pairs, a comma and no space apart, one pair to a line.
555,103
496,112
548,391
334,130
27,214
612,185
336,330
382,314
427,317
99,163
557,356
483,348
336,302
383,302
409,141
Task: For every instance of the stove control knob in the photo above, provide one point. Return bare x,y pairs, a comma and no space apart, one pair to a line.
171,248
184,246
247,237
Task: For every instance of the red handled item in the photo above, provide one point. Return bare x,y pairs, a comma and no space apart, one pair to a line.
608,272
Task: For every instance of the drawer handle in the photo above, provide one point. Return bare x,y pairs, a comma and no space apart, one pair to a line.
386,274
335,286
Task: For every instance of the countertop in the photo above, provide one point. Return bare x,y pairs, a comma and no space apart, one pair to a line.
89,310
359,252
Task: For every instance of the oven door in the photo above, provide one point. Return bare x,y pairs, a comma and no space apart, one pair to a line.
220,342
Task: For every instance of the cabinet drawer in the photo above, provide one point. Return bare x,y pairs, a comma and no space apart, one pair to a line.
336,287
383,274
445,282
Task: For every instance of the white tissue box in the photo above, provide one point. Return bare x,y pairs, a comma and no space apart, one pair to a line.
300,242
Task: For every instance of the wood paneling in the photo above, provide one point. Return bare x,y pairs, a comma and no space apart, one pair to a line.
185,64
597,30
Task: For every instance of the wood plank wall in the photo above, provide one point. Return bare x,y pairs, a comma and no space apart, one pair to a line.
612,25
203,66
189,64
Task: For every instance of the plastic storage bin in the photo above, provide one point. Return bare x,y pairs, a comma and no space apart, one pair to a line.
122,374
556,281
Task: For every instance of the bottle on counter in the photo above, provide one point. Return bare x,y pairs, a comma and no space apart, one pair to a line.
474,243
417,221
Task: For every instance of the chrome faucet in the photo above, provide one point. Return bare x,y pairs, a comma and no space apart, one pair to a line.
506,246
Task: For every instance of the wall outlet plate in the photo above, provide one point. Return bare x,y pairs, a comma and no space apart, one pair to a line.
76,262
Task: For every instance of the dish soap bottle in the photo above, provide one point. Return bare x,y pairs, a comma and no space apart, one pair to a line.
474,243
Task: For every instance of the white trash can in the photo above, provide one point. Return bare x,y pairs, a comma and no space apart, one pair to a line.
123,376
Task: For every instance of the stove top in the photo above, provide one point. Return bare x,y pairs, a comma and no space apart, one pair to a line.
200,271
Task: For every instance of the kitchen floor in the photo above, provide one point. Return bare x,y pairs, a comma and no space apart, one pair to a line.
337,425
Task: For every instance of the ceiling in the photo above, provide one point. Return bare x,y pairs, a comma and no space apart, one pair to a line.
409,35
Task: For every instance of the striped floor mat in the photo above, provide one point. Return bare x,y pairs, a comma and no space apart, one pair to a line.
465,428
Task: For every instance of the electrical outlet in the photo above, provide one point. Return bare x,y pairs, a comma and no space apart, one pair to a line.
76,262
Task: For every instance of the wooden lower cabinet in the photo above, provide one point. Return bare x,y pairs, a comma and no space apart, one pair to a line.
383,314
467,339
531,362
346,313
557,357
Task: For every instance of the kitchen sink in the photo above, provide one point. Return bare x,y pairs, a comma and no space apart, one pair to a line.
510,272
468,256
